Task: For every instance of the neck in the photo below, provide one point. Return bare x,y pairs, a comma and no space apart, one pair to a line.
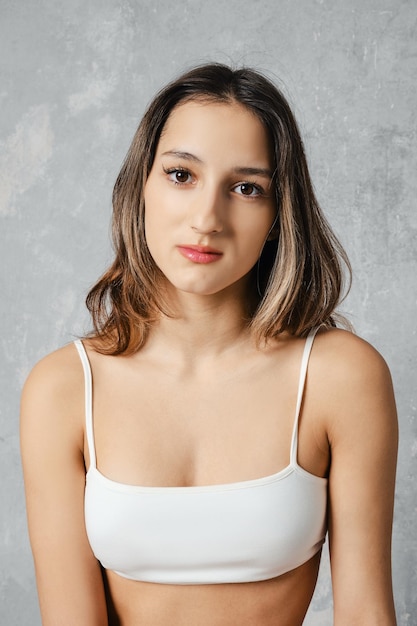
202,327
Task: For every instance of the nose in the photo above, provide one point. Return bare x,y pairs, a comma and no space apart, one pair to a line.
207,212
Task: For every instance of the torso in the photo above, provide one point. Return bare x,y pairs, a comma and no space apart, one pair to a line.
235,425
281,601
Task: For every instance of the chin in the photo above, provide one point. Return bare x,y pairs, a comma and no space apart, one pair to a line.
236,288
200,287
201,291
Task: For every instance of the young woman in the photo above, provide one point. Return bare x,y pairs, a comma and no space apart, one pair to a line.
184,462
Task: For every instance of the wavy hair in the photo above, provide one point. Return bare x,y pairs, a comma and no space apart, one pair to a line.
299,275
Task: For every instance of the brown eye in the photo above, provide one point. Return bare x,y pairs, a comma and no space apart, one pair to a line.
178,176
181,176
248,189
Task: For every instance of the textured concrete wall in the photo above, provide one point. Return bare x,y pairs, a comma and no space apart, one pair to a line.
75,77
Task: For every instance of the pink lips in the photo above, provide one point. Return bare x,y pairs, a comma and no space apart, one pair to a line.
200,254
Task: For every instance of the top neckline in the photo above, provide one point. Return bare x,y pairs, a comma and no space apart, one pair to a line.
212,488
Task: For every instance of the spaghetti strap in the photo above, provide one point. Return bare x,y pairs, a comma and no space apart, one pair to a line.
88,401
301,383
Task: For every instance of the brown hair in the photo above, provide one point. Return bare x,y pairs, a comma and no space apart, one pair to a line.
299,273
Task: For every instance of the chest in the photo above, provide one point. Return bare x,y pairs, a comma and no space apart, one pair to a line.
161,427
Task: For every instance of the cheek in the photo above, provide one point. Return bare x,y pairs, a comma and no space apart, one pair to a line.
160,209
154,227
154,219
256,231
151,227
160,227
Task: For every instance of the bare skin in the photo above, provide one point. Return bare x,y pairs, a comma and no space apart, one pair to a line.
236,422
361,477
280,601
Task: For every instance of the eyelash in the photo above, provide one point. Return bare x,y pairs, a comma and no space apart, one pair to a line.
259,190
175,170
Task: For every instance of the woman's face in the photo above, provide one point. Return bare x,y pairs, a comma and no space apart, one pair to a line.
209,204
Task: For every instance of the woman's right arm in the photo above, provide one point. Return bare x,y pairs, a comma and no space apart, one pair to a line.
69,580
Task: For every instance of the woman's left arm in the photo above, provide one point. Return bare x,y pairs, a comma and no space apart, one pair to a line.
363,436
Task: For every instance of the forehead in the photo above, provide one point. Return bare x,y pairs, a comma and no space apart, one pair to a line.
212,128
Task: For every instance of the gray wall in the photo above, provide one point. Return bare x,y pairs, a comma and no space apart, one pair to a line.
75,77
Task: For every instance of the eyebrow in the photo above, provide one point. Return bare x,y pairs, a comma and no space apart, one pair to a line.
253,171
242,170
182,155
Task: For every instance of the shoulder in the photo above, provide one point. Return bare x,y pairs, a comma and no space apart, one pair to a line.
53,394
345,356
352,383
57,373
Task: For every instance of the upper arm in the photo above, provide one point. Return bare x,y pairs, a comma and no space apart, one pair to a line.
363,438
68,576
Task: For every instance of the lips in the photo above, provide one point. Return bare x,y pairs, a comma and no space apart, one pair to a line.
200,254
